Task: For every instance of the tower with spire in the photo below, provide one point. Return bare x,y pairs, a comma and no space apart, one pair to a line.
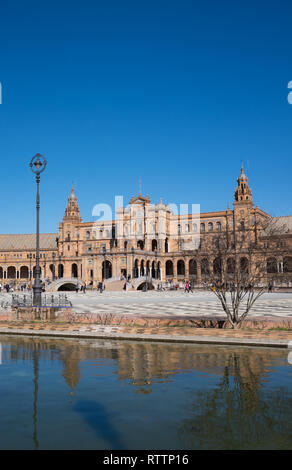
68,239
72,210
242,194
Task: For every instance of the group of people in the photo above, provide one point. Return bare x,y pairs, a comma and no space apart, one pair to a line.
21,287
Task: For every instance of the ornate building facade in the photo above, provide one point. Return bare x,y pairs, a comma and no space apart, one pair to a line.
150,243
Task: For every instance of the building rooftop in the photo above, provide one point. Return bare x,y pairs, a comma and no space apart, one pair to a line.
27,241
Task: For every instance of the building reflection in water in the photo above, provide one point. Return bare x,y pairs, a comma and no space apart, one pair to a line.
241,374
143,364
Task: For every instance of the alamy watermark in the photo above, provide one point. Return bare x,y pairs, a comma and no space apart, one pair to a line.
289,97
156,221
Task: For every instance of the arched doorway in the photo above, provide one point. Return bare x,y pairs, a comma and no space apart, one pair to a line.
24,273
11,272
1,273
217,267
287,264
180,268
60,270
158,271
154,245
205,267
169,268
244,265
147,268
230,266
106,269
145,286
67,287
153,269
52,269
142,268
166,245
193,268
74,270
271,265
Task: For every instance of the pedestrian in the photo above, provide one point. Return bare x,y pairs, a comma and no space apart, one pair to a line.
76,288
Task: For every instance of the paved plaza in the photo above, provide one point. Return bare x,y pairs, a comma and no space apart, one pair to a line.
168,303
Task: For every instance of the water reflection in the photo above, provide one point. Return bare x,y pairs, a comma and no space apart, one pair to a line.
226,397
240,410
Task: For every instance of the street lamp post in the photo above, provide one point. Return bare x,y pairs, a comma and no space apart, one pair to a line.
37,165
156,266
133,268
30,273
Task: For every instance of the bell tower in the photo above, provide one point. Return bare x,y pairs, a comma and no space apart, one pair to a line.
242,194
72,209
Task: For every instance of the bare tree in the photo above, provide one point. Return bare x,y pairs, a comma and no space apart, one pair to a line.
238,276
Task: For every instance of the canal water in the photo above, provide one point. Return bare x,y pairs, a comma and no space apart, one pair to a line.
103,394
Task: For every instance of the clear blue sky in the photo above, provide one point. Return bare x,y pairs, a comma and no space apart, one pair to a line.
177,92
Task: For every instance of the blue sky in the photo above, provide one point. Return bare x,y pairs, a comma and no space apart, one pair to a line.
177,92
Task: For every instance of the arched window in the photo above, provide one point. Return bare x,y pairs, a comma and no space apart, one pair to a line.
287,264
154,245
187,229
192,267
180,268
140,244
218,226
87,236
202,227
195,228
210,227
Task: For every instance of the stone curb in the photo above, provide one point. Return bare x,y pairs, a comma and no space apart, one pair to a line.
150,337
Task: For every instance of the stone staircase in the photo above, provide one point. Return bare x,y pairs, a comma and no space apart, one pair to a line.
114,284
